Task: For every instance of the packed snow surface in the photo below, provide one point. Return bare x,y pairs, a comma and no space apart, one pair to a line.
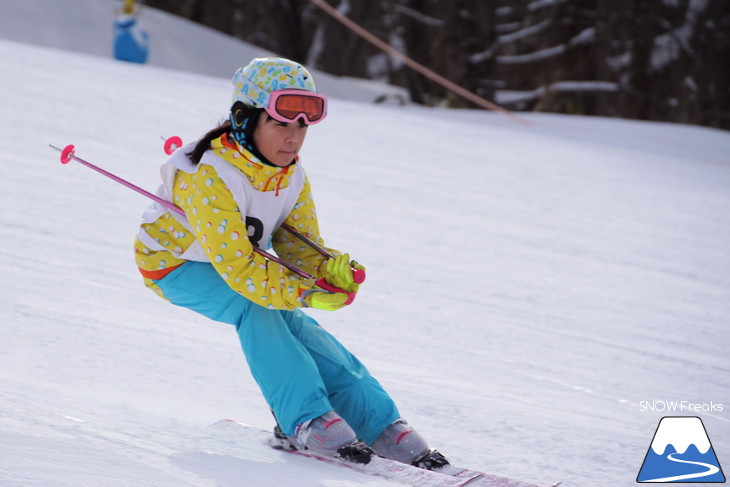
539,295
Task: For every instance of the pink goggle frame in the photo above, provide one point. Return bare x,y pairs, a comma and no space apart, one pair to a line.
288,106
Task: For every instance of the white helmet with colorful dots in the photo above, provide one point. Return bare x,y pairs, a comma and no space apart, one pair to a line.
284,88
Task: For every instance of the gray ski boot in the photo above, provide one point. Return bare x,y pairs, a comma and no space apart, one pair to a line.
329,435
403,444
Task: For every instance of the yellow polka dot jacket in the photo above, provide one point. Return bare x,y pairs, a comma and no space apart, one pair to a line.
231,201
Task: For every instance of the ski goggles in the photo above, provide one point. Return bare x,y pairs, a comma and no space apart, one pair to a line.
288,106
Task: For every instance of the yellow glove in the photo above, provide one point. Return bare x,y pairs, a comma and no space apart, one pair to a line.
339,273
326,301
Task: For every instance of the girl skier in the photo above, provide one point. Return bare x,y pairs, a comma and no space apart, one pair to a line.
237,185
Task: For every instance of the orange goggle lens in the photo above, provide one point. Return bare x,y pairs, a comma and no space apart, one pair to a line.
292,106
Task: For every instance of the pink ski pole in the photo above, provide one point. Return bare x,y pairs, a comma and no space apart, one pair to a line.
357,274
67,154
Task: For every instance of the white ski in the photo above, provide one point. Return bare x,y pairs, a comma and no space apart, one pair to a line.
449,476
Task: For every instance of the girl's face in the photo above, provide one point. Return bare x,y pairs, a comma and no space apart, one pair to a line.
278,142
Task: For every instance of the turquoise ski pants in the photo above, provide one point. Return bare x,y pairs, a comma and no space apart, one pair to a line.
302,370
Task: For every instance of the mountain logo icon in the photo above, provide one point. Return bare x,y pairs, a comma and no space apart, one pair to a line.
681,452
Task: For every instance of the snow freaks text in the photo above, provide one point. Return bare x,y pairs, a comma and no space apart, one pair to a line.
680,407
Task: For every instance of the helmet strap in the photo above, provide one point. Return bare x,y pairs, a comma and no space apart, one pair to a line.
243,121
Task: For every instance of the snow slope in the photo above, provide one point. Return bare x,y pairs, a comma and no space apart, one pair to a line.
529,286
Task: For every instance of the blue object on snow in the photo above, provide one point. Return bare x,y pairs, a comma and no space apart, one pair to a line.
130,42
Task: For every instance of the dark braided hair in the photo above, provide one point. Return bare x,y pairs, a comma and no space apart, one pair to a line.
245,119
204,143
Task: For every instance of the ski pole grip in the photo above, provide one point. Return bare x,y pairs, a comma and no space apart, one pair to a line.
358,275
322,282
